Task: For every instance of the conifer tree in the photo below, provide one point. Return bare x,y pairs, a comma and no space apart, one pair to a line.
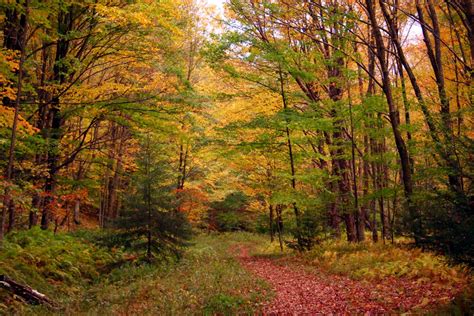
151,222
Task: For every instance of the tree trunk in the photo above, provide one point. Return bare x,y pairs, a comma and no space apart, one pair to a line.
435,56
359,220
271,222
11,216
468,9
30,295
292,161
16,39
340,164
76,212
333,211
279,225
36,202
395,123
60,71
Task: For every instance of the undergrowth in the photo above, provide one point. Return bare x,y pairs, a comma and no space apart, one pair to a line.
372,262
77,274
207,280
375,261
369,262
59,266
88,279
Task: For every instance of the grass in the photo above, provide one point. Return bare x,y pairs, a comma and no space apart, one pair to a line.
60,266
206,281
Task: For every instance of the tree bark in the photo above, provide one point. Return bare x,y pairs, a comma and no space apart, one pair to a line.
340,164
395,123
270,218
279,225
30,295
60,70
292,161
18,43
435,57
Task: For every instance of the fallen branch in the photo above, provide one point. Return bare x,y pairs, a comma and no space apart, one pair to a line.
28,294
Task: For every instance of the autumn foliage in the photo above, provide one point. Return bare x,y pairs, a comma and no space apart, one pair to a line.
341,129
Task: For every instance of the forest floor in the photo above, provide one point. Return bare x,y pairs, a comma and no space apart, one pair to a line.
234,273
302,290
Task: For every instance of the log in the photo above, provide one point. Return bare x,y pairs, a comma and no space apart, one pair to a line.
28,294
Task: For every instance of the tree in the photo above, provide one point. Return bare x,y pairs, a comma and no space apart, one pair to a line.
150,221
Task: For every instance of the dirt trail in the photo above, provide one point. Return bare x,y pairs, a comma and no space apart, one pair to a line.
300,292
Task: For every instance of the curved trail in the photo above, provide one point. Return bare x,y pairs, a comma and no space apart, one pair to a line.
300,292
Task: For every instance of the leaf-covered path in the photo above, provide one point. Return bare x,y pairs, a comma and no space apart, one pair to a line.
298,291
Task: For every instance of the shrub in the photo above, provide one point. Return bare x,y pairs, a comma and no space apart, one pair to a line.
231,213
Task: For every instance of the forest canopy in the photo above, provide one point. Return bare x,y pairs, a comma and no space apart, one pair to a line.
356,114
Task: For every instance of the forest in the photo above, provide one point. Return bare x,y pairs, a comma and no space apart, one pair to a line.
221,157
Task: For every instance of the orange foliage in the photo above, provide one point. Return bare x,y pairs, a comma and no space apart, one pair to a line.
192,201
